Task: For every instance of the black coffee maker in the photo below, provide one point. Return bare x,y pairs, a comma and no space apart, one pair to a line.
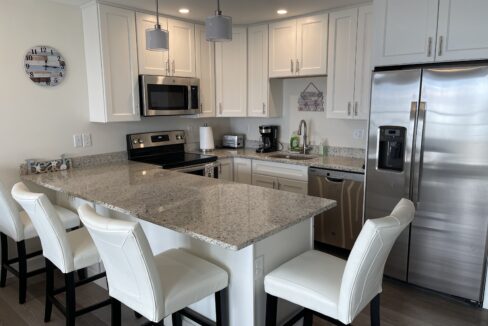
269,139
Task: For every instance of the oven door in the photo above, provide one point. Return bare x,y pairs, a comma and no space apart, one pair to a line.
209,170
162,95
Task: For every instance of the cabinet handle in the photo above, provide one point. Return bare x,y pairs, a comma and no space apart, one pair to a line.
220,108
348,108
429,47
356,105
274,185
264,108
167,67
441,39
174,68
291,67
201,107
297,68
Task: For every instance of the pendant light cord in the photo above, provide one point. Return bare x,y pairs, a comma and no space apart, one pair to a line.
157,15
218,8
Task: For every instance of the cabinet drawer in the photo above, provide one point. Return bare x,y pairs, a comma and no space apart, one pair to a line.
288,171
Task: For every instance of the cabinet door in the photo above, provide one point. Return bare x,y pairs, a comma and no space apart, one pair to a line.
226,170
119,63
362,84
462,30
258,84
150,62
242,170
342,57
299,187
205,70
405,31
231,75
282,48
181,48
264,181
312,34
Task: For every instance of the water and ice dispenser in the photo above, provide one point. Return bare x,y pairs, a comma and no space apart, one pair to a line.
391,150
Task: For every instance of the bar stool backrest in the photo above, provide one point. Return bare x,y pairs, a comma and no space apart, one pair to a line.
55,244
132,275
10,223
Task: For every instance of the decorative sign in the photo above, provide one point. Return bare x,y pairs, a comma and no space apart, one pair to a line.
44,66
311,99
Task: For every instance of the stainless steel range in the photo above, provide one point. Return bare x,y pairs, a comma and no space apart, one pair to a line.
167,149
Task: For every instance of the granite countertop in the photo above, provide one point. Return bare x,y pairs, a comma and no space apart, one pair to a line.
219,212
342,163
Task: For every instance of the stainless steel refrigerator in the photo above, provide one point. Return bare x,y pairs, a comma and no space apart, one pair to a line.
428,141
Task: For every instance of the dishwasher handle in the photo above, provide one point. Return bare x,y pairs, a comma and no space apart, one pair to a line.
335,180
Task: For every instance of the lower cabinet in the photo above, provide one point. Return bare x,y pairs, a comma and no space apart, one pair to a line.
226,171
264,181
242,170
286,177
296,186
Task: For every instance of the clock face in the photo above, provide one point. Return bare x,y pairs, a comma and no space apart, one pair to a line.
45,66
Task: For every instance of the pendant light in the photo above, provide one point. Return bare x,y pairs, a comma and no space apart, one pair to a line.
218,27
157,39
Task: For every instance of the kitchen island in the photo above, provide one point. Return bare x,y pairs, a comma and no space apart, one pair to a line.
247,230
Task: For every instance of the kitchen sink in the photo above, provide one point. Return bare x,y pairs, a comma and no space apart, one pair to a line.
296,157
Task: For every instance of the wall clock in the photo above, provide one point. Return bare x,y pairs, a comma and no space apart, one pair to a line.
44,65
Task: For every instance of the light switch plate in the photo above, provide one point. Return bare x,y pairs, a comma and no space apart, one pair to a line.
77,141
87,140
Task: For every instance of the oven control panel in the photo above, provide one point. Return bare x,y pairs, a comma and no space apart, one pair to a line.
155,139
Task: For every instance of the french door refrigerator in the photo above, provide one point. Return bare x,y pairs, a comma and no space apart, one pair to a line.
428,141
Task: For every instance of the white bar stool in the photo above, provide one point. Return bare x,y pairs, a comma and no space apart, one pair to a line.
69,252
332,288
153,286
18,226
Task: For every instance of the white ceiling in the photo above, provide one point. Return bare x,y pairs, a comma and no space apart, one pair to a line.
242,11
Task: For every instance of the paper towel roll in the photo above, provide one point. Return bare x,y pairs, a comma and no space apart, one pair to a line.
206,139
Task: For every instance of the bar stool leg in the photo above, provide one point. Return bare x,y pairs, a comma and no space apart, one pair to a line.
49,290
176,318
308,318
375,310
218,308
271,309
70,299
3,273
116,312
22,271
81,274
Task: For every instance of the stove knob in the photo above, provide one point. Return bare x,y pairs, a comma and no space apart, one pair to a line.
178,137
141,141
135,141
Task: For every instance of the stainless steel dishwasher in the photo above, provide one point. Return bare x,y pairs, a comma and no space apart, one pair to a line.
341,225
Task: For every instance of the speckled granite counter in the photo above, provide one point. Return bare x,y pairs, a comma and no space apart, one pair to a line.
342,163
227,214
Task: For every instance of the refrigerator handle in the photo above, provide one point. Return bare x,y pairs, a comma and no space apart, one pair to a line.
418,160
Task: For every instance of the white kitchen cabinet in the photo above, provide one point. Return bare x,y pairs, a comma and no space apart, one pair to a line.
205,71
226,171
150,62
258,82
181,48
405,31
280,170
349,63
231,75
296,186
243,170
462,30
264,181
298,47
111,63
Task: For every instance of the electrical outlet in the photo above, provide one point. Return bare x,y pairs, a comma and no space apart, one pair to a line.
77,140
87,140
358,134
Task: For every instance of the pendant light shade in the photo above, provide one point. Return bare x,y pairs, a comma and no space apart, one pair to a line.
157,39
218,28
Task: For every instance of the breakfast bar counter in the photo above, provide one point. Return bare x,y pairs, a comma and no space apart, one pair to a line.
247,230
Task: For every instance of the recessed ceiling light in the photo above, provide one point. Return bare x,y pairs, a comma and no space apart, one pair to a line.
282,11
184,11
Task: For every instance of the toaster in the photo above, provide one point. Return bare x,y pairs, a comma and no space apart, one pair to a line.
233,141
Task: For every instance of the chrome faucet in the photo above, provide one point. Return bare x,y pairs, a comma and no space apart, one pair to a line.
305,138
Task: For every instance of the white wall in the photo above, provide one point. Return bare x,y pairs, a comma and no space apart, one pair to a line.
336,132
39,122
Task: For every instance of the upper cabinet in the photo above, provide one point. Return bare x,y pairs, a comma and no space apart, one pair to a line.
180,60
424,31
231,75
298,47
205,65
181,48
111,60
349,63
150,62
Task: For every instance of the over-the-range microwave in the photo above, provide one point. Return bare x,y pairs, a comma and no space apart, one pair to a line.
165,95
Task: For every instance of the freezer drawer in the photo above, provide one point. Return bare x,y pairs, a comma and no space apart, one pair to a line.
341,225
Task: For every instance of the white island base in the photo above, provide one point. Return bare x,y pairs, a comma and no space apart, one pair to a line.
246,299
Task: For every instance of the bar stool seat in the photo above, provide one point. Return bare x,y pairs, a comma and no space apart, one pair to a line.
69,219
83,250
